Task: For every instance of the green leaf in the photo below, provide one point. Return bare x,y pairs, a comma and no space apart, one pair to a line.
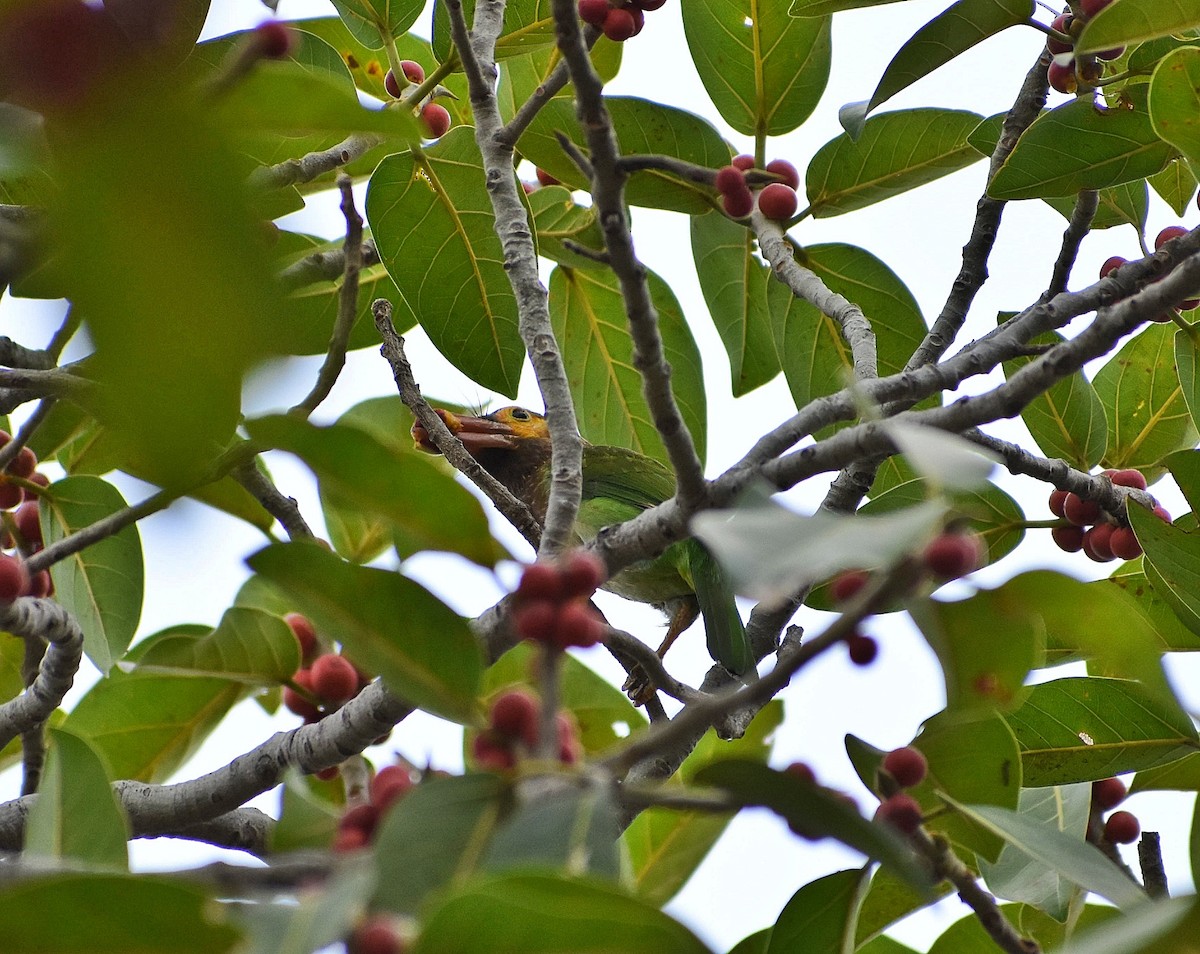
821,8
524,72
1163,927
101,585
734,283
1131,21
76,816
1075,859
146,725
953,31
1175,185
370,21
305,820
428,508
968,935
541,914
1082,145
1144,403
1175,101
889,899
819,918
248,645
1124,204
1155,612
433,226
1080,729
641,127
111,914
312,921
528,25
587,312
423,650
895,152
815,358
1187,353
434,837
755,943
763,69
557,219
1019,877
1170,562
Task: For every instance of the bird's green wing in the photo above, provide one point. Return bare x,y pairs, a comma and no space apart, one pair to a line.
723,627
626,477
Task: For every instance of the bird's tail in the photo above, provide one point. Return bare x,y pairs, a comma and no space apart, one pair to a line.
723,627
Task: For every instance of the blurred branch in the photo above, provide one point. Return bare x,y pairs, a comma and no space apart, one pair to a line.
1154,875
324,266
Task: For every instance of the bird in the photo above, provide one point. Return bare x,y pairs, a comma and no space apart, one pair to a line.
685,581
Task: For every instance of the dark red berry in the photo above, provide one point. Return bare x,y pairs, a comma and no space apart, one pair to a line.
862,649
1068,539
737,205
1058,499
1122,828
593,11
305,632
582,574
1062,78
1108,793
578,626
803,772
41,480
545,178
778,201
436,119
540,581
742,162
297,702
901,811
514,715
1111,265
14,578
730,180
389,784
1168,234
362,817
11,494
570,750
1061,23
349,839
1124,544
41,584
275,40
1082,513
786,171
649,5
29,523
535,621
1097,543
1128,478
391,85
952,555
376,936
24,464
413,71
334,678
491,754
908,766
619,25
847,584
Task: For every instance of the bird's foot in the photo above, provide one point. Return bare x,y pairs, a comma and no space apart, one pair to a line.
638,687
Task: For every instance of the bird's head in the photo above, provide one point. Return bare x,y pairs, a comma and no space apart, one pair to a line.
504,429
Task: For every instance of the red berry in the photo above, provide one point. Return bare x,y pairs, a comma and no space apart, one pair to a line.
1089,8
1167,234
41,584
578,626
1128,478
545,178
41,480
901,811
514,715
376,936
570,750
593,11
275,40
491,754
1097,543
1124,544
1082,513
742,162
1061,23
362,817
619,25
436,119
649,5
349,839
413,70
784,169
1189,303
540,581
329,774
862,649
952,555
1062,78
535,621
778,201
1068,539
1108,793
1111,265
296,701
1122,828
1115,53
1058,499
305,632
1161,513
803,772
11,494
730,180
14,578
847,584
389,784
334,678
738,205
24,464
639,18
907,766
391,85
29,523
582,574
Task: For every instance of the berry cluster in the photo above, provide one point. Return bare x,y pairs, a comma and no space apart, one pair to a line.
21,529
1089,531
513,731
358,825
413,73
776,200
803,772
1120,828
434,117
552,602
618,20
900,769
1163,237
1068,72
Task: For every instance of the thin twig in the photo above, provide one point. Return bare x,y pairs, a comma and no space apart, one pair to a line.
9,452
1154,874
283,508
1078,227
306,168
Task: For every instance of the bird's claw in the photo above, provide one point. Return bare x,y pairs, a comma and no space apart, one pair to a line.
638,687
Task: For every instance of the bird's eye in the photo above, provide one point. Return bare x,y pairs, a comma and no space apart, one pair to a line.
519,414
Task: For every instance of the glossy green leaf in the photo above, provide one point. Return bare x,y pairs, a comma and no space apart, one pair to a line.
425,505
1131,21
1175,101
1075,859
1182,775
1124,204
815,358
101,585
76,816
424,651
888,899
1082,145
433,226
968,935
1144,402
1184,466
894,153
1018,877
755,943
820,8
588,316
1170,562
819,918
1168,926
666,846
111,914
12,653
953,31
146,725
1175,185
306,821
558,219
248,645
886,945
540,914
1155,612
763,69
734,283
1187,364
371,21
1081,729
1067,419
641,127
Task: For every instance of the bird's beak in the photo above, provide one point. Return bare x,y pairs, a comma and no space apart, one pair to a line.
476,433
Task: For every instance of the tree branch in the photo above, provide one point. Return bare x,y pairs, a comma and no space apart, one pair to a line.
40,619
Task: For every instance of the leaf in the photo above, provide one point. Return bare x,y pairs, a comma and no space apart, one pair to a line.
247,645
76,816
1170,563
433,226
371,21
1080,729
1175,185
1144,403
817,918
821,8
525,71
587,313
946,460
888,899
557,219
101,585
1082,145
146,725
894,153
1132,21
763,69
305,820
953,31
318,922
424,504
641,127
734,284
111,914
1124,204
1075,859
528,25
968,935
540,914
1154,611
1175,101
423,650
1169,925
